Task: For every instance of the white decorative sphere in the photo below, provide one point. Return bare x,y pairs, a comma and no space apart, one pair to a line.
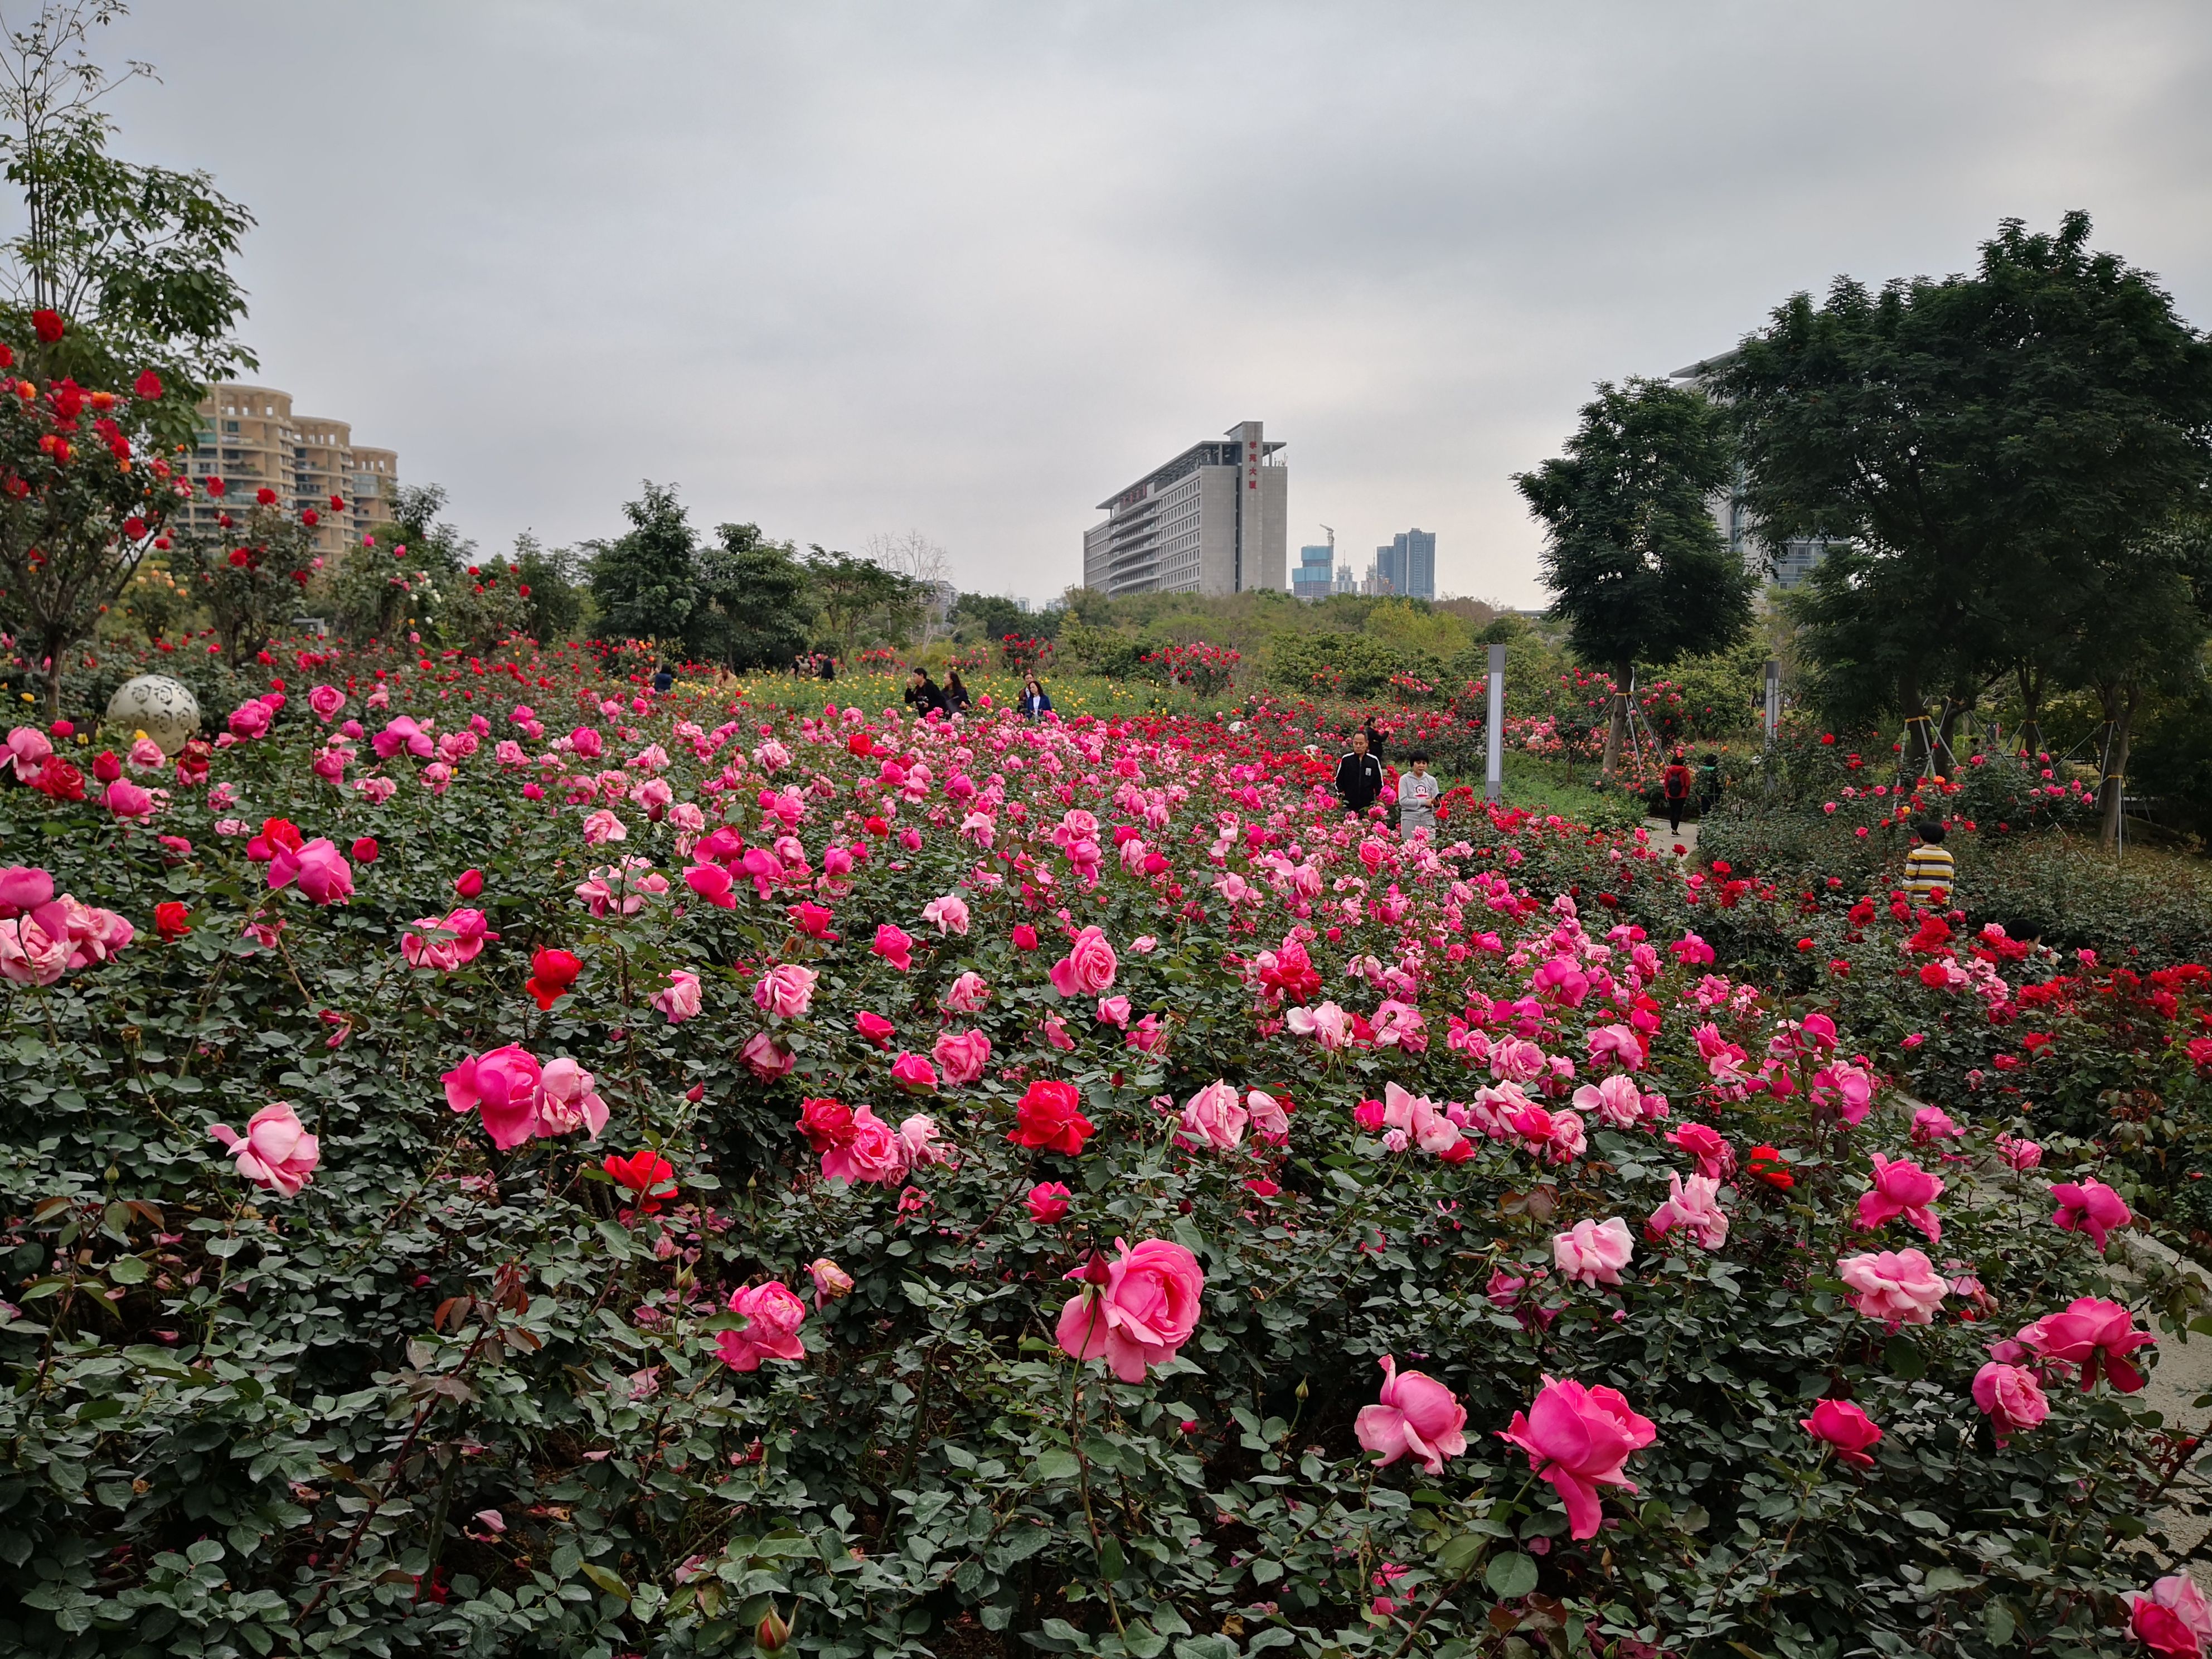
164,709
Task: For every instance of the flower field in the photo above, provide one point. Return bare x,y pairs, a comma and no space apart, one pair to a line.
500,1163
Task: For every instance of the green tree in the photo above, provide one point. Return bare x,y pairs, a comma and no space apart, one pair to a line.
762,615
252,577
1988,443
645,583
991,616
135,257
858,598
1638,569
548,584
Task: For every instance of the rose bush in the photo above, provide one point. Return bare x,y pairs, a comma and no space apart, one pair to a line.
1212,1149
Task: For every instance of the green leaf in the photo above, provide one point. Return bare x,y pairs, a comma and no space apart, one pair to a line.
127,1270
1998,1624
1904,1359
1510,1576
1057,1464
1458,1553
1946,1578
606,1580
1112,1563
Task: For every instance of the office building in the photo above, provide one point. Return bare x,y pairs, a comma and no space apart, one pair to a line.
250,438
1413,564
1211,520
1791,562
1316,572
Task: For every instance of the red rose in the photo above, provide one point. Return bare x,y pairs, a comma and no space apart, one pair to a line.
469,884
364,850
265,496
134,527
1049,1119
338,503
309,516
147,385
106,766
215,486
171,920
1026,938
240,558
827,1124
552,973
642,1172
47,325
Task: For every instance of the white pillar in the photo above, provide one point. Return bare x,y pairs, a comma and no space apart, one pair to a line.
1493,775
1773,697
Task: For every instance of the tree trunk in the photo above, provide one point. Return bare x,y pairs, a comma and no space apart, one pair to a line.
1955,704
1616,729
2031,709
1914,751
2119,700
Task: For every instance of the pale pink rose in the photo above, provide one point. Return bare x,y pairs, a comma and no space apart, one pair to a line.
1900,1287
961,1056
874,1153
683,997
772,1316
949,914
29,955
2011,1397
603,826
1593,1253
765,1058
146,756
913,1071
786,991
1416,1417
969,994
1517,1060
1269,1121
27,747
1580,1439
568,1099
275,1152
1216,1117
1695,1204
1136,1310
1616,1099
918,1137
1089,967
1617,1044
1114,1012
831,1282
503,1086
1327,1024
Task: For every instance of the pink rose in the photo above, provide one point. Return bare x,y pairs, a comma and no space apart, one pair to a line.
1114,1012
318,868
765,1058
682,1000
275,1152
961,1056
1049,1202
568,1099
1088,969
2172,1619
1715,1157
1694,1205
251,718
24,887
772,1316
1844,1427
1134,1311
127,801
2090,1333
1416,1417
969,993
30,954
1216,1117
2020,1156
831,1282
918,1140
873,1153
501,1085
2011,1397
1593,1253
949,914
894,947
1579,1440
913,1071
1269,1121
1901,1286
1902,1187
2091,1207
786,991
325,701
1616,1099
712,883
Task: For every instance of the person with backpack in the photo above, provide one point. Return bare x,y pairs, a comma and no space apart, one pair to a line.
1674,785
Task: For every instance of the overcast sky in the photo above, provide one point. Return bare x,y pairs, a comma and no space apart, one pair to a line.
968,268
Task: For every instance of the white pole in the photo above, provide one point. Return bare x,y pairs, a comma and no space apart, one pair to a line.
1493,775
1773,697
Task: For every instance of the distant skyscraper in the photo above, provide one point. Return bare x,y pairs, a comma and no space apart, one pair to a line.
1345,582
1211,520
1413,564
1316,573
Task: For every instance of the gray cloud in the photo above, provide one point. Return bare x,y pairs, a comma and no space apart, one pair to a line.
844,268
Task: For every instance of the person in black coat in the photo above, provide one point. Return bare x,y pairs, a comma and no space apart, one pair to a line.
1358,776
956,700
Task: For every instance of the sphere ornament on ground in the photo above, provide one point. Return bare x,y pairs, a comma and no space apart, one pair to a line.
164,709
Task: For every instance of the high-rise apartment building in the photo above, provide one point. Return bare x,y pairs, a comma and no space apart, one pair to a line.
250,438
1786,563
1211,520
1413,564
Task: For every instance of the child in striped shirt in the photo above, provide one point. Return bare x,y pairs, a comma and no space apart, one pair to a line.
1928,866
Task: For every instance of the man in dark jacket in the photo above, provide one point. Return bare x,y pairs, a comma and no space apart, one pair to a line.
1358,776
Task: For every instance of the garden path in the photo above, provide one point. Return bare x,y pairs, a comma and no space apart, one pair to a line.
1666,839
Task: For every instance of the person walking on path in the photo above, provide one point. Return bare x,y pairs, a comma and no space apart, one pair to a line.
1674,785
1358,776
1930,869
1418,789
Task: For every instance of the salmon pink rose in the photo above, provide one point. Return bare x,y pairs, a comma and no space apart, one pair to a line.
1088,969
962,1056
1416,1417
772,1316
1901,1286
1134,1311
275,1152
1580,1439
